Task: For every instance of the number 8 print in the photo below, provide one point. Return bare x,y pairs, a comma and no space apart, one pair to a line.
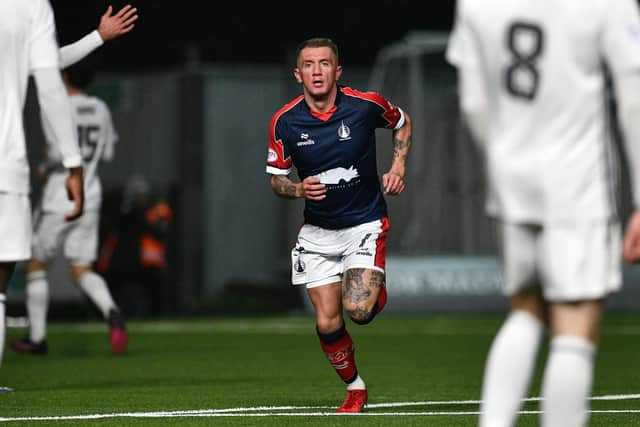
521,76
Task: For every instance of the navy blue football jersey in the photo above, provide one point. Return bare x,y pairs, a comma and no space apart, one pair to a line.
339,147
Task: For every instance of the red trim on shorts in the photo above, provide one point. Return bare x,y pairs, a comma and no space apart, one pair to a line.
381,243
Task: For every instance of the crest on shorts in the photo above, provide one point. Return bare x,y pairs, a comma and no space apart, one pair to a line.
299,266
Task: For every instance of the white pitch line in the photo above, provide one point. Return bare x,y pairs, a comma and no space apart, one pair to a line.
269,411
278,414
477,402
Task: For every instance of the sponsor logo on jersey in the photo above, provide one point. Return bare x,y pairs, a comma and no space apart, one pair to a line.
272,156
344,133
338,175
305,140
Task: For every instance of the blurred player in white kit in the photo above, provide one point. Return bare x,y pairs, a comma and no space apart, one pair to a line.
79,238
28,46
532,90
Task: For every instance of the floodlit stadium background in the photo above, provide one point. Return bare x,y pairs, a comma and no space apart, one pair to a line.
192,90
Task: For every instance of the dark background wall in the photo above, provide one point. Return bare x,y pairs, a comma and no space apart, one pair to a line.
248,32
192,90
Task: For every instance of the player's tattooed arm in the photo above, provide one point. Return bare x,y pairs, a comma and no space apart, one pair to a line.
310,188
393,181
282,186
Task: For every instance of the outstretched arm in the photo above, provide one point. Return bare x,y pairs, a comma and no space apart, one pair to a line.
110,27
393,181
310,188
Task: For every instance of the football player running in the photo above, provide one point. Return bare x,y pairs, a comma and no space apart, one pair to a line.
328,134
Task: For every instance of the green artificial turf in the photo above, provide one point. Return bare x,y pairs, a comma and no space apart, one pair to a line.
270,366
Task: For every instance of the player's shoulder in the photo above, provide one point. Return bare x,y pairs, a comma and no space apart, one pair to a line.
287,108
39,9
35,6
369,97
26,13
472,6
95,101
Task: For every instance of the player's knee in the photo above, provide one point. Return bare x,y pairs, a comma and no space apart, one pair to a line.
35,265
362,315
77,271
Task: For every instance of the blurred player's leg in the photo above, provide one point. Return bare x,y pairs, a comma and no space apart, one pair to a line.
37,302
97,291
568,375
4,278
37,293
567,382
6,270
509,368
3,326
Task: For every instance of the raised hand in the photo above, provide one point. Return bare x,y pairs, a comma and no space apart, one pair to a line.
112,26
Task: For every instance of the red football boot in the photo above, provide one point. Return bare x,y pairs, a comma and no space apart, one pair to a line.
119,340
355,401
117,332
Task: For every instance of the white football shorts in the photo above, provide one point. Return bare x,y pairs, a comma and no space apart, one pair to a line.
79,237
15,227
569,262
321,256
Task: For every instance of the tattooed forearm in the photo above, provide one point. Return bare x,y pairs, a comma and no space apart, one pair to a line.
401,148
283,187
402,143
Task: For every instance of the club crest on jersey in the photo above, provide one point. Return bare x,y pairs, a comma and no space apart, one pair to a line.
344,133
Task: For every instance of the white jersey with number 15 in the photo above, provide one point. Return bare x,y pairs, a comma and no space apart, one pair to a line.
97,137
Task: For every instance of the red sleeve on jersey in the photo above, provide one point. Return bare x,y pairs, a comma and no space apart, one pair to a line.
391,114
277,156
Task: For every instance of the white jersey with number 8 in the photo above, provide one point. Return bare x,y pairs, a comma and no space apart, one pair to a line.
542,64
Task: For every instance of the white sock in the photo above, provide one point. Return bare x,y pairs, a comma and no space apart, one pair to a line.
357,384
96,289
509,368
37,294
3,326
566,382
